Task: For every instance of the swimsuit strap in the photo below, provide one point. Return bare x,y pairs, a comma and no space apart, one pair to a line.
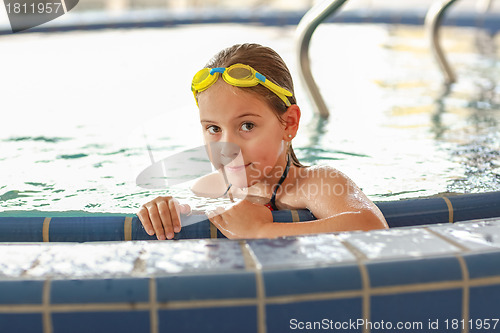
228,188
272,202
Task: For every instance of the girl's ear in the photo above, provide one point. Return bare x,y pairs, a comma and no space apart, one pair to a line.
292,119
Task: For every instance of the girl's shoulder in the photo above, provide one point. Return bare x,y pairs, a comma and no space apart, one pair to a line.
211,186
327,192
320,173
319,184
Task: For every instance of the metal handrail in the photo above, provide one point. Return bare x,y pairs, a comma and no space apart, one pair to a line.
433,21
318,13
305,29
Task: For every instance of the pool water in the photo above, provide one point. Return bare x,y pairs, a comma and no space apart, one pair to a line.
80,108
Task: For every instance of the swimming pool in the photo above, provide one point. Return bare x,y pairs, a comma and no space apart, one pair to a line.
75,136
76,141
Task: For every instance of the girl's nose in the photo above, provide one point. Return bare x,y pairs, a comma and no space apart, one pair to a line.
223,153
229,150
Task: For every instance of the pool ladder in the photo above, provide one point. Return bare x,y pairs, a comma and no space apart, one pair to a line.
318,13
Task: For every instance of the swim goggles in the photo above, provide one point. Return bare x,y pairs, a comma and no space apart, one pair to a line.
238,75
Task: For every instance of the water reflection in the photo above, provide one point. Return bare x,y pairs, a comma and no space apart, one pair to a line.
438,128
477,141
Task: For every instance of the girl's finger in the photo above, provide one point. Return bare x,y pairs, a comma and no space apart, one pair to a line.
175,215
185,209
166,220
143,216
155,218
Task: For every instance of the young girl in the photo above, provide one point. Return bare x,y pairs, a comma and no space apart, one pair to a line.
245,99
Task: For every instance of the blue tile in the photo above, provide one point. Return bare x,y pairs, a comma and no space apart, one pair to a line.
21,229
417,307
397,272
327,313
21,292
193,257
101,322
398,243
483,264
241,319
304,251
212,286
474,235
86,228
100,291
312,280
483,304
26,323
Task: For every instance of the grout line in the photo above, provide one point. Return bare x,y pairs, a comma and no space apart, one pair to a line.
365,281
127,229
450,209
213,230
46,229
465,293
46,308
484,281
209,303
366,294
463,248
411,288
153,309
252,263
360,256
74,307
314,297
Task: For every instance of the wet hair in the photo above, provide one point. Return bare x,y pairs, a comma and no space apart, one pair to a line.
267,62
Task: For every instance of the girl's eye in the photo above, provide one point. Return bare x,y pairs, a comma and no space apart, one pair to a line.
247,126
212,129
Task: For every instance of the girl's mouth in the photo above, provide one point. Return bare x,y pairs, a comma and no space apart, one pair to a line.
236,168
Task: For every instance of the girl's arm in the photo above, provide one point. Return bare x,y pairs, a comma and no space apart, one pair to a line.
250,220
347,221
336,201
338,204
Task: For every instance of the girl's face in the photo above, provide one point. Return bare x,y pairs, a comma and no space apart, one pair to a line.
229,114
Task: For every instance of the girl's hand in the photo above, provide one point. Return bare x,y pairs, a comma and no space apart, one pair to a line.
161,216
243,220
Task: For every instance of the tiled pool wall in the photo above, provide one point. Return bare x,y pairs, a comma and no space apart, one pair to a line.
440,274
77,226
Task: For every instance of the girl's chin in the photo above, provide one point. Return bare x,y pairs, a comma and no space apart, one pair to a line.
239,183
246,177
242,182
